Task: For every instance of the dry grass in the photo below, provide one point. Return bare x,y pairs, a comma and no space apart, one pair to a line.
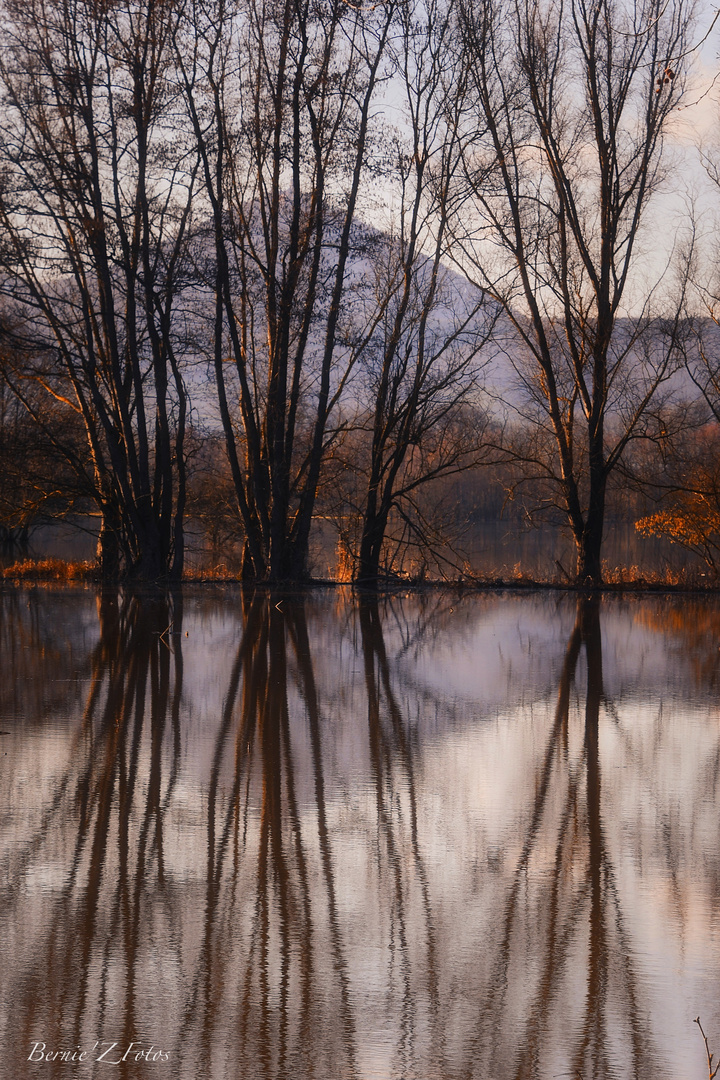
220,572
46,571
631,577
49,570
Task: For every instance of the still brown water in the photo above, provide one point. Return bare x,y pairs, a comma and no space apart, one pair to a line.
432,838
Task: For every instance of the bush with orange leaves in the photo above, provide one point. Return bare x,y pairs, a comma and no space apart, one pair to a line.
692,517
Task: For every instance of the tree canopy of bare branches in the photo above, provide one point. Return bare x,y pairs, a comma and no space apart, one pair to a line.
281,101
96,180
423,360
571,102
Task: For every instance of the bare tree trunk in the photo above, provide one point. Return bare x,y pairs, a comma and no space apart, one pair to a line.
371,544
108,547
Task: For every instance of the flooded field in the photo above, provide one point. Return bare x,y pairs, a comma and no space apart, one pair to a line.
435,837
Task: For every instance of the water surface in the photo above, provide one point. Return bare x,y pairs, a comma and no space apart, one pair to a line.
434,837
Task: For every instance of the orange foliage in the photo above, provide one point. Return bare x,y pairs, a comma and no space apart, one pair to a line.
48,570
693,522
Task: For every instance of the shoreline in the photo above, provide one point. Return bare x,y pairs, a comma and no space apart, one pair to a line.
58,572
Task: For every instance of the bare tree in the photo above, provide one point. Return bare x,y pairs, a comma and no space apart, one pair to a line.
422,358
281,100
572,103
96,178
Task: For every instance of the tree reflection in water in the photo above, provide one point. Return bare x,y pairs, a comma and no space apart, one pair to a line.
101,837
270,1023
578,991
289,883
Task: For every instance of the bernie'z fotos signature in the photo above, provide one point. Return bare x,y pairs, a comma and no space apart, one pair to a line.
111,1053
